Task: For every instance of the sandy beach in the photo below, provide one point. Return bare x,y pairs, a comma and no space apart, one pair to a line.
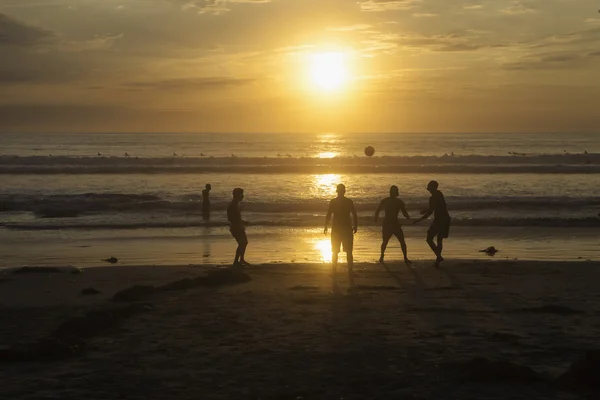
404,333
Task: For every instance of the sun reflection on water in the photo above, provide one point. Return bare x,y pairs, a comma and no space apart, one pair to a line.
327,154
323,246
324,185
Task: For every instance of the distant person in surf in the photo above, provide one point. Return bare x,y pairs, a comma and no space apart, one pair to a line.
206,202
342,231
391,226
440,227
238,227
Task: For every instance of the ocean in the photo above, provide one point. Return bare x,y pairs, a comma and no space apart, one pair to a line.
77,198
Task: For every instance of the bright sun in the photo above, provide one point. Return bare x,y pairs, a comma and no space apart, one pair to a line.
328,71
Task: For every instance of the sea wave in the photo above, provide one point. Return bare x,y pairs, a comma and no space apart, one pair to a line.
63,206
455,164
304,223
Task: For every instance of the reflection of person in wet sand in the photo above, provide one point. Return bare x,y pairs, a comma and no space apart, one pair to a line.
206,202
342,230
237,226
391,226
440,227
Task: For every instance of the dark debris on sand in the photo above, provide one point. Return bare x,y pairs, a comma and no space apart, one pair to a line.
46,270
301,288
551,309
69,339
490,251
221,277
583,374
134,293
89,292
486,370
38,270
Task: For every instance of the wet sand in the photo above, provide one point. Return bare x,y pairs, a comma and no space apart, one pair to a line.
286,335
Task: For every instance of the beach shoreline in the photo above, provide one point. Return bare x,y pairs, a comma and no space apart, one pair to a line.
286,334
215,246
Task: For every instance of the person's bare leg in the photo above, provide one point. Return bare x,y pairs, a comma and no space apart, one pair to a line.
384,244
334,262
243,244
400,236
350,258
243,254
432,245
238,252
440,247
433,248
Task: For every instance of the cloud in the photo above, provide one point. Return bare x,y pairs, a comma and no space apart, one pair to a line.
518,8
40,70
424,15
32,4
216,7
349,28
581,37
97,43
447,42
16,33
207,83
385,5
551,61
472,6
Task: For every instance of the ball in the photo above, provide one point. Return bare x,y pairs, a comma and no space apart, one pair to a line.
369,151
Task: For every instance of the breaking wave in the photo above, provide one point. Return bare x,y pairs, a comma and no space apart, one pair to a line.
61,206
455,164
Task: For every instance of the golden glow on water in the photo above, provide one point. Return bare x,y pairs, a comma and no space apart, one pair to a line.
328,145
327,154
323,246
324,185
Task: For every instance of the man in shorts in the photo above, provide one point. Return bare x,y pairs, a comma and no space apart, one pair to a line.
342,230
440,227
238,227
391,226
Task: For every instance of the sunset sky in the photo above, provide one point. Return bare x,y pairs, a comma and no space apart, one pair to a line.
253,65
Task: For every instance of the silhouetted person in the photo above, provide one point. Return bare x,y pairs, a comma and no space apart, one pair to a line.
342,230
391,226
440,227
206,202
237,226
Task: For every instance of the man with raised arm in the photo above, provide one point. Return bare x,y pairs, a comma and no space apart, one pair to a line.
391,226
440,227
342,230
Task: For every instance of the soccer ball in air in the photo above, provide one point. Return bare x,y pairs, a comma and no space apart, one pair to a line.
369,151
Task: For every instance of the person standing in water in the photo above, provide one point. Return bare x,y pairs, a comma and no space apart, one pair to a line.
440,227
206,202
238,227
391,226
342,230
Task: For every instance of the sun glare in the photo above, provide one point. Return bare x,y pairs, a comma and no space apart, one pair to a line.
325,184
328,71
327,154
323,246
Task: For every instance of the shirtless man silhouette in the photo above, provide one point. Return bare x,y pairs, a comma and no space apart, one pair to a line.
391,226
342,230
440,227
